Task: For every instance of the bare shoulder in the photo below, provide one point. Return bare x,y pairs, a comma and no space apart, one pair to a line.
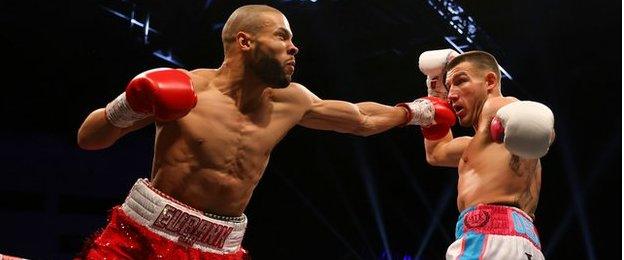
492,105
294,93
297,89
201,77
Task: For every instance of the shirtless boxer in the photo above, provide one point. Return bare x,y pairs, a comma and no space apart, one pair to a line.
499,167
215,129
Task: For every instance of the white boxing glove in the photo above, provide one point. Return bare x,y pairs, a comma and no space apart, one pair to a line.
432,63
526,128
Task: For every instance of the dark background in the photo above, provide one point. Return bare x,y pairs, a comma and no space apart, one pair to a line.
324,195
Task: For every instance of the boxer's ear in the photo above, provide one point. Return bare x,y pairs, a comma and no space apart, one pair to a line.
243,40
491,80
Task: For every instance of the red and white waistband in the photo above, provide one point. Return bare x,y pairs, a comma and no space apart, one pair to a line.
181,223
497,220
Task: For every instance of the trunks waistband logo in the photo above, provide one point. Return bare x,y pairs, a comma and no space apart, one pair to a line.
191,229
476,218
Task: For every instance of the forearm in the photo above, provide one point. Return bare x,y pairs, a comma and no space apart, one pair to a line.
379,118
96,132
362,119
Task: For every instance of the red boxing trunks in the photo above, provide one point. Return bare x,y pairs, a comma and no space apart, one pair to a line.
151,225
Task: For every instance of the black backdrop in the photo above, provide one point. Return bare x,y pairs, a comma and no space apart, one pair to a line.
324,195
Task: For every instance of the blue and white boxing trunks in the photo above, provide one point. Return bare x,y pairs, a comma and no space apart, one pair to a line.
495,232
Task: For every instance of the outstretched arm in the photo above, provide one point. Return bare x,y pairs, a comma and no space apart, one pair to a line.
364,119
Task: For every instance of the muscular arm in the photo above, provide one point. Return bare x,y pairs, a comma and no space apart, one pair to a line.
97,133
446,151
364,119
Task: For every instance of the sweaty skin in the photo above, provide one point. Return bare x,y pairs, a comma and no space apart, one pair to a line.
488,172
212,158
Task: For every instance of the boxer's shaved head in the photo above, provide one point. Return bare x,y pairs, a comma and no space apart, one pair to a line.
483,61
249,18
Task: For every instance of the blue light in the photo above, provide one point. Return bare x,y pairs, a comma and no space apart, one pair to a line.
135,22
131,19
207,4
455,9
435,218
319,215
118,14
146,31
505,73
455,46
371,190
472,29
168,57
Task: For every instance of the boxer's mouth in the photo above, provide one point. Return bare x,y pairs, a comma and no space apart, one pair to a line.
459,110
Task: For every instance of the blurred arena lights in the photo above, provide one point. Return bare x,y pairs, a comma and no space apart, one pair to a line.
435,219
318,213
131,18
579,189
459,20
144,26
460,48
166,55
463,24
371,190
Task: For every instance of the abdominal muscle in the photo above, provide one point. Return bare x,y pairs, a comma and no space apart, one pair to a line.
207,190
208,167
491,175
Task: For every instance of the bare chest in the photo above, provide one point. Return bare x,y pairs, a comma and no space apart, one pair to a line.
483,156
218,128
217,135
486,162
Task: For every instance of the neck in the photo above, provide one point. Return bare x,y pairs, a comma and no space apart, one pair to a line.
240,84
479,111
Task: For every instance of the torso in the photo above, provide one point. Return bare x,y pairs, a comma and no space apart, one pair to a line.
213,158
488,173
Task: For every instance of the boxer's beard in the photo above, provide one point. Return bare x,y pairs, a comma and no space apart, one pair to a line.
269,70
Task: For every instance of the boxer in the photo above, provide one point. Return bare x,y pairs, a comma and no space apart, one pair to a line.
499,167
215,129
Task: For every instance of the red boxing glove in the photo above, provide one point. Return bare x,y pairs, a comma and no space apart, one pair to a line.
443,120
497,130
167,94
435,132
435,115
